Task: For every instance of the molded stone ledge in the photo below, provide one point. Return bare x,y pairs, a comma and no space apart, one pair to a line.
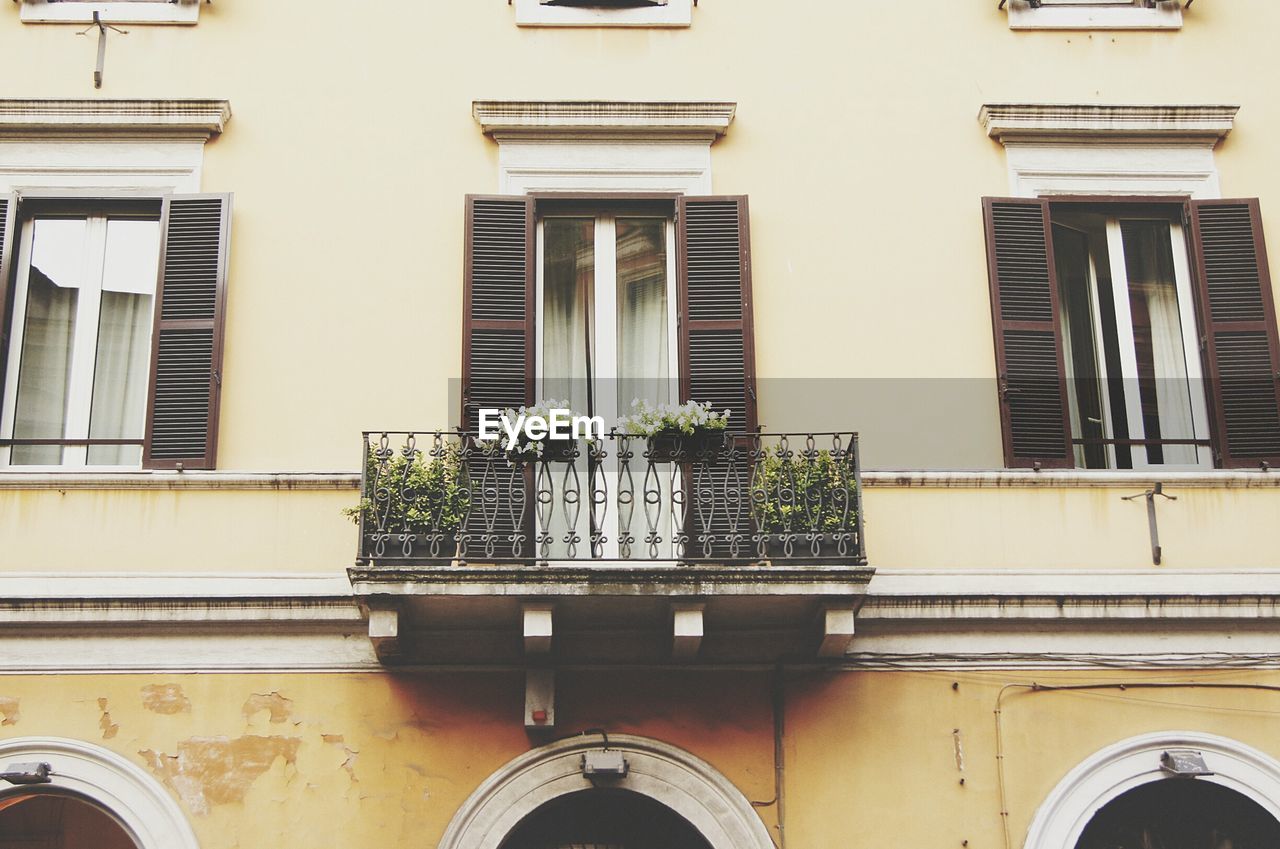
558,119
1013,122
194,119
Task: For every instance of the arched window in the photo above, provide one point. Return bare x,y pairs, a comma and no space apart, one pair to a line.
58,821
616,819
89,790
1126,797
1181,813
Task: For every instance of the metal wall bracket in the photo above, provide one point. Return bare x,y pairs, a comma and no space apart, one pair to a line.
102,44
1156,489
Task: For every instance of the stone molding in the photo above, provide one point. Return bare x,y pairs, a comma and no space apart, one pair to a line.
1018,122
557,120
190,119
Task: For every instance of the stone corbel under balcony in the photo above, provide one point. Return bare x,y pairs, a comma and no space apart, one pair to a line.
611,612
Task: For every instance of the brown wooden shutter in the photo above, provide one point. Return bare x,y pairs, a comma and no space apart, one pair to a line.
497,366
1238,327
8,241
1028,335
717,354
186,355
498,309
717,349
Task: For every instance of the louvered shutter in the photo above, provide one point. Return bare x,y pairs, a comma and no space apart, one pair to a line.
186,355
8,237
497,362
1238,327
1028,335
716,344
717,353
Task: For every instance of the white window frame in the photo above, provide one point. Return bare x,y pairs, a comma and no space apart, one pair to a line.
112,12
1094,14
84,348
532,13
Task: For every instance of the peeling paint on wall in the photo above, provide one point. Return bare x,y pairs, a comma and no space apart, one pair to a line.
279,707
109,728
210,771
165,698
348,765
8,711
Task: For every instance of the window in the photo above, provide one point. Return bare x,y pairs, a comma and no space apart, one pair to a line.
80,337
604,13
112,343
111,11
55,821
1133,335
1129,338
599,301
607,317
1095,14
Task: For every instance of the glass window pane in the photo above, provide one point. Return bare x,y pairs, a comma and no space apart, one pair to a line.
644,366
132,257
568,281
1157,336
44,371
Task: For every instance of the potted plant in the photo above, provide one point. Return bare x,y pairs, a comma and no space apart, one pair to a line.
413,505
678,433
804,503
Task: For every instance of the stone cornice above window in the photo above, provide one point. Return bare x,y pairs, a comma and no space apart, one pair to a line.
530,120
170,119
1023,122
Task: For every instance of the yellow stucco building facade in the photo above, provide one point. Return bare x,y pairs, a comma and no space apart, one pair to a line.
1018,248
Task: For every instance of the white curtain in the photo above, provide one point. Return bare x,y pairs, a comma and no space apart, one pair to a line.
643,342
44,376
120,377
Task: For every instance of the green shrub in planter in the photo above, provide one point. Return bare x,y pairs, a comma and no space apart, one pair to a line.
802,494
421,494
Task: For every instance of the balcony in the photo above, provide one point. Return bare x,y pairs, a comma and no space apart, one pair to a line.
761,536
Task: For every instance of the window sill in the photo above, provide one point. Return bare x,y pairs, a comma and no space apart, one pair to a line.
43,12
1071,479
531,13
294,481
1023,17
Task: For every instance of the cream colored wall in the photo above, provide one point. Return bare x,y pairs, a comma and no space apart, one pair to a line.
856,138
240,531
870,758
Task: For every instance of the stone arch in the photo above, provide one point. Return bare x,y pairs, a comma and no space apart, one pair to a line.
1113,771
142,806
667,774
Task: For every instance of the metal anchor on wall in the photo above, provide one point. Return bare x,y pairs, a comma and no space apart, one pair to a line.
1156,489
102,44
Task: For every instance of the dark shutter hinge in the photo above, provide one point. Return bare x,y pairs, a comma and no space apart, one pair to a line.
217,377
1204,343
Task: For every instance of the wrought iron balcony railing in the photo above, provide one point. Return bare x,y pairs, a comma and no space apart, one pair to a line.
444,496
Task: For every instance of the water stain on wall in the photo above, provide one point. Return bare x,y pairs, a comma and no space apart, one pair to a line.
165,698
208,771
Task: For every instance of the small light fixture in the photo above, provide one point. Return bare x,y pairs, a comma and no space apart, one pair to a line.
1184,763
29,773
604,764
